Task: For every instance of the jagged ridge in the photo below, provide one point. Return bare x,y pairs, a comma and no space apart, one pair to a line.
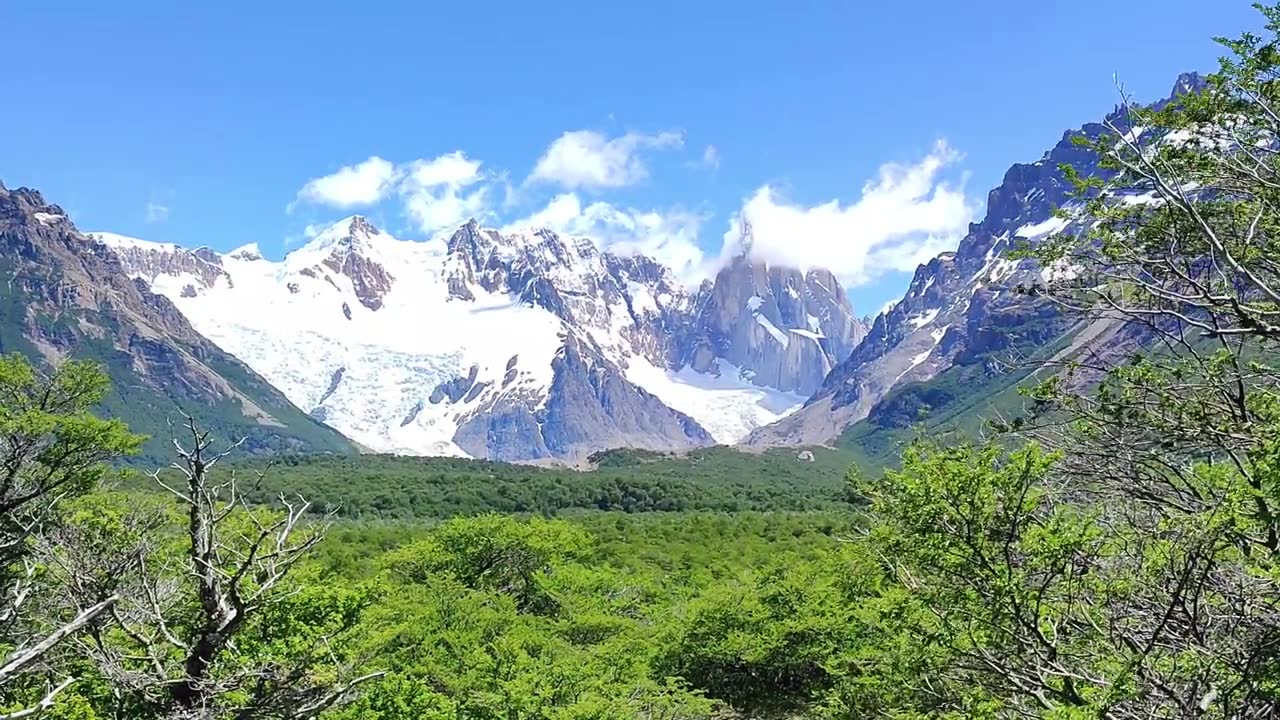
965,304
511,345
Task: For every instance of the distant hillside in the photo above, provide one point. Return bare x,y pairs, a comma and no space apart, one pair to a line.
69,297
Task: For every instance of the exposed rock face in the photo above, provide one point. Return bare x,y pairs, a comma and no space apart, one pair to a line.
662,311
660,319
632,299
149,262
455,389
350,255
787,328
371,280
591,405
69,296
961,304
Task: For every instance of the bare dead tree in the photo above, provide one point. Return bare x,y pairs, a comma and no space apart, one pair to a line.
190,635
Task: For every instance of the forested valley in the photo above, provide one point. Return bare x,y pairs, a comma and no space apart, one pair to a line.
1110,551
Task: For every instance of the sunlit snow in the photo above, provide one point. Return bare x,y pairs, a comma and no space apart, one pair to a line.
1034,231
729,406
919,358
772,329
371,374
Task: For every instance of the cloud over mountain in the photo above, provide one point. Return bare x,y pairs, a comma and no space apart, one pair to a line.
586,159
350,186
905,214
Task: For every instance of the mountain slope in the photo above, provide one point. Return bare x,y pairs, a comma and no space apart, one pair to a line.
965,307
68,297
502,345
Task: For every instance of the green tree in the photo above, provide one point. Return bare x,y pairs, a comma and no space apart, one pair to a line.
1132,571
495,617
491,552
1183,437
769,639
51,449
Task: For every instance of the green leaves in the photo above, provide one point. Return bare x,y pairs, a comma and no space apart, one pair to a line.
51,441
52,451
492,553
492,616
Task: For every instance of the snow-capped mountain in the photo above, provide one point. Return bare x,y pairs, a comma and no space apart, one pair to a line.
513,346
796,326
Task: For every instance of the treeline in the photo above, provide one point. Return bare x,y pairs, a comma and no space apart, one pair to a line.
716,479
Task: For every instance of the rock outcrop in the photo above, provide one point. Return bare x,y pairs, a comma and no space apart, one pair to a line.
787,328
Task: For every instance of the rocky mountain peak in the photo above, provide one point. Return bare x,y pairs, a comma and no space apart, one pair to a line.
59,271
1188,82
71,296
193,270
963,305
353,248
471,251
24,205
786,327
247,252
537,266
354,234
22,199
474,241
359,226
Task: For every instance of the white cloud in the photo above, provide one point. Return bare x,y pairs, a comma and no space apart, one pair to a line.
443,208
903,217
669,237
710,159
437,192
351,186
449,169
562,214
157,212
586,159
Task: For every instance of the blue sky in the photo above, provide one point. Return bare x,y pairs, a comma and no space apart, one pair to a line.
860,134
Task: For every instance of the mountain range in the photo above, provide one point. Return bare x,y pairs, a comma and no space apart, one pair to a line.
508,345
528,345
